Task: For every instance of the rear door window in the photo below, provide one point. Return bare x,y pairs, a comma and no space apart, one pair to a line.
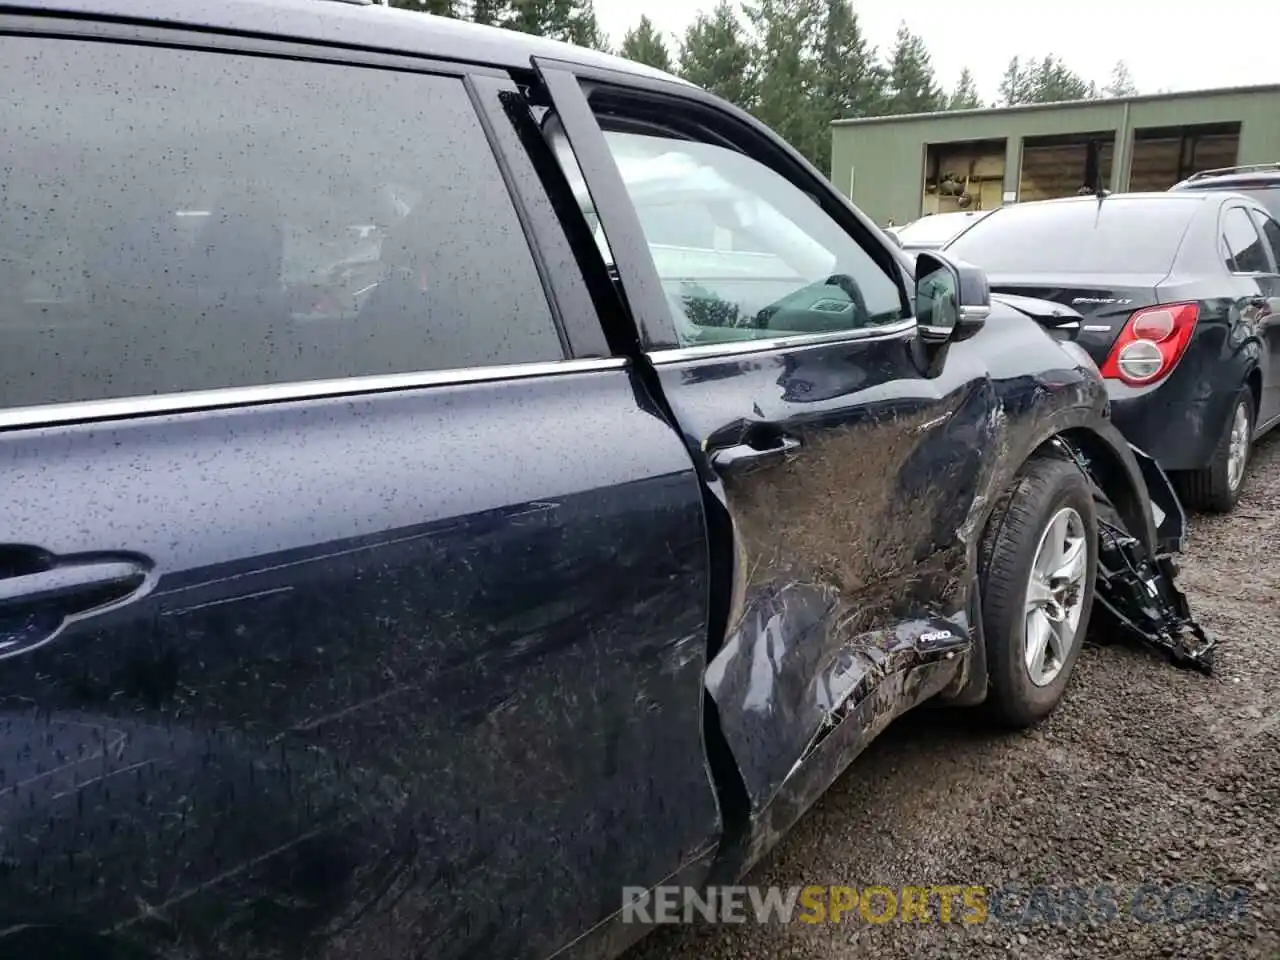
1113,235
1242,246
1270,230
178,220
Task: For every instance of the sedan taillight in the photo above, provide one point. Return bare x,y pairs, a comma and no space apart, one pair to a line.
1151,343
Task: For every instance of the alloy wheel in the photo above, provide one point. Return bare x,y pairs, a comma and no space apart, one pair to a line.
1055,595
1238,446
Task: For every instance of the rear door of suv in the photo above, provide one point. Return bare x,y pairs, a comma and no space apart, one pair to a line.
353,600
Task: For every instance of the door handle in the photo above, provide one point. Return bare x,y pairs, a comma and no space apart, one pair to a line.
739,455
74,587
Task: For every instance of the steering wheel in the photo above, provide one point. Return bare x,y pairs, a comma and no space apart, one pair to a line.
850,287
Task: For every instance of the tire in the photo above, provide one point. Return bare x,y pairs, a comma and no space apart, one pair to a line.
1212,489
1047,491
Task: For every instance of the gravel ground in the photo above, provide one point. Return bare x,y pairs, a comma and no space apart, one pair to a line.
1145,775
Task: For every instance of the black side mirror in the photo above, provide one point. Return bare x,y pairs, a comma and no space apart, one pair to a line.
953,299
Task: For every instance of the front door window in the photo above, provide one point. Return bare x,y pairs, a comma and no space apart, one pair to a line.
742,252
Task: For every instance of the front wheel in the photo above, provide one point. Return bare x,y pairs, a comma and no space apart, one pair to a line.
1038,563
1216,488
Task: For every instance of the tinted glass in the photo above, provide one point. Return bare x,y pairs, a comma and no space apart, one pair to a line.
1241,243
1270,234
743,253
1115,235
174,221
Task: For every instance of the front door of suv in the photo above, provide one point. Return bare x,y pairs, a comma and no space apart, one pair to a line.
319,638
778,328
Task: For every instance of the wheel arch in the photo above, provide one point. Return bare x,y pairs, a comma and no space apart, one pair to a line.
1108,469
1096,444
1119,479
1111,466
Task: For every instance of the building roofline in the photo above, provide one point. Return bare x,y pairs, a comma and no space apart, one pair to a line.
1272,88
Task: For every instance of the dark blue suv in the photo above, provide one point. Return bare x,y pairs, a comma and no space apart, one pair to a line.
415,531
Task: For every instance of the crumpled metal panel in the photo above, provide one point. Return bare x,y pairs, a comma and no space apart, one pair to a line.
837,589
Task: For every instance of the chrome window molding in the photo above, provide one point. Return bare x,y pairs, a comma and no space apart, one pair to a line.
43,415
887,331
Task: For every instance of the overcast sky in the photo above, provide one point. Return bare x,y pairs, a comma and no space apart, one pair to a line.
1167,46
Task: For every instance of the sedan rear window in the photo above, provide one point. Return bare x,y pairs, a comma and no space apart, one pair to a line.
1115,235
935,230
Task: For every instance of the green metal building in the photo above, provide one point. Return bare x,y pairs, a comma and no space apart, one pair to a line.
900,168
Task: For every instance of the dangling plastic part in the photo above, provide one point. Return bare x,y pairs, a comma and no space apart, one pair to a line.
1138,589
1143,598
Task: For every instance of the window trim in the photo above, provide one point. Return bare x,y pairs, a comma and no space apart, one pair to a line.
161,404
734,348
25,26
571,87
1222,234
642,296
65,26
577,303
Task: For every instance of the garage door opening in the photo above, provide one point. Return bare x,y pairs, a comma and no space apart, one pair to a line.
1064,166
963,176
1164,155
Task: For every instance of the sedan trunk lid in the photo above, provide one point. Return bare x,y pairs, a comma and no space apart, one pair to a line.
1105,302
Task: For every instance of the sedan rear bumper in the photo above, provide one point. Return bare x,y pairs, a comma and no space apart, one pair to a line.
1178,434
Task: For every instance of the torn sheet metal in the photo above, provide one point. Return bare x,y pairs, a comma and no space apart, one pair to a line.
792,676
846,574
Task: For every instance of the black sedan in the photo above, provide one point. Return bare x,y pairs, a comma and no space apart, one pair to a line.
1180,294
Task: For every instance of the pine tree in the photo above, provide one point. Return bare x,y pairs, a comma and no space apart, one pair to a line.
849,80
786,92
1016,85
644,44
1047,81
1121,83
543,18
715,54
1054,82
441,8
490,12
584,27
912,86
965,95
850,77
